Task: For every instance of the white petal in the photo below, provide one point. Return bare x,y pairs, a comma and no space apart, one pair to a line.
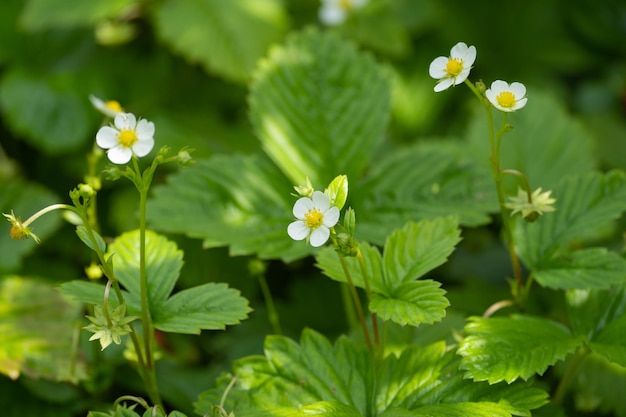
97,102
144,129
518,90
491,96
332,16
125,121
461,77
320,201
107,137
143,146
437,68
469,57
119,154
298,230
331,217
459,50
499,86
303,205
520,103
444,84
319,236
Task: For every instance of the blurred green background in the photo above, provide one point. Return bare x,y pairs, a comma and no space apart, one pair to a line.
186,65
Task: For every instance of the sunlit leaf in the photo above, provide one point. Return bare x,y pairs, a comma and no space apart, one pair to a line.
412,303
505,349
37,327
241,201
587,268
320,107
205,307
226,37
163,263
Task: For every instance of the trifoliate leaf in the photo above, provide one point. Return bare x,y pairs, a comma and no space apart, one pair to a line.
25,199
163,263
46,14
429,180
37,326
584,203
505,349
412,303
83,234
418,248
611,341
56,122
594,268
241,201
546,143
320,107
205,307
226,37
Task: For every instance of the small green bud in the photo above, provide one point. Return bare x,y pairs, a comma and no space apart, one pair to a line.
507,127
349,221
337,191
347,245
86,191
184,157
480,86
304,190
257,267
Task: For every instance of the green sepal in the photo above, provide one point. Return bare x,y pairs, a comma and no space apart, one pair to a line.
83,234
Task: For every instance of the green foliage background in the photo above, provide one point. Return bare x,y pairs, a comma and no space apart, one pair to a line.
206,73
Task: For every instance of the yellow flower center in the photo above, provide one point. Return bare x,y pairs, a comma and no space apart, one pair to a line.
313,218
506,99
454,67
113,105
345,4
127,138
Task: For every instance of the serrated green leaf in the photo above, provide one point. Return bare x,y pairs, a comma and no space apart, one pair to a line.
412,303
319,107
474,409
205,307
55,122
163,263
594,268
226,37
418,248
93,293
36,331
546,143
82,233
241,201
46,14
505,349
328,261
583,203
25,199
425,181
611,341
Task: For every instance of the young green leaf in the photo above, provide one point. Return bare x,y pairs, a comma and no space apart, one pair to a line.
226,37
418,248
328,261
82,233
412,303
505,349
320,107
611,341
163,263
205,307
594,268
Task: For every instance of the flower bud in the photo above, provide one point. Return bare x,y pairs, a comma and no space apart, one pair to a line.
304,190
349,221
184,157
111,173
480,86
347,245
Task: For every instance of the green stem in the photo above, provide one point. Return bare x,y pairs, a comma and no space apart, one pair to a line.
356,301
146,319
348,306
272,313
368,292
